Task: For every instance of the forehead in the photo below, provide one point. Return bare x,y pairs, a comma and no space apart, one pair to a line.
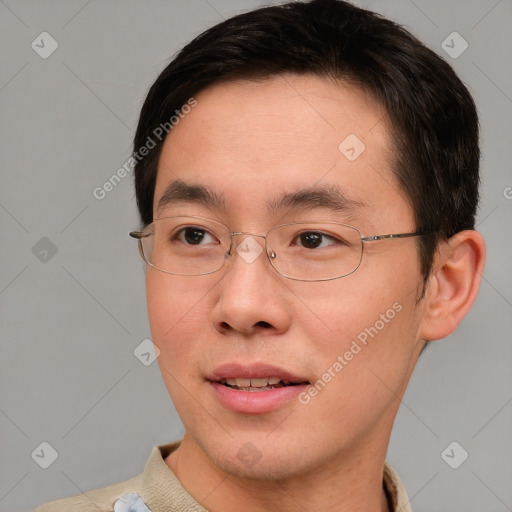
253,142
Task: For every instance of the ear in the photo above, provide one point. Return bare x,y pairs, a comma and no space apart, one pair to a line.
453,284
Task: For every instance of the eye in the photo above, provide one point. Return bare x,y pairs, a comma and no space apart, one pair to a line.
194,235
316,239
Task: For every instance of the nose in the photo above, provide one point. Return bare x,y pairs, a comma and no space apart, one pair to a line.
251,297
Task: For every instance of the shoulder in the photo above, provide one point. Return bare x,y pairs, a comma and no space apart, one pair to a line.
97,500
157,484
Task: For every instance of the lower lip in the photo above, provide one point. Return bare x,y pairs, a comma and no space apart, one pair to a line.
256,402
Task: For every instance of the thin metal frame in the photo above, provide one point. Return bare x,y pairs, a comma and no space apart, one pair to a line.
139,235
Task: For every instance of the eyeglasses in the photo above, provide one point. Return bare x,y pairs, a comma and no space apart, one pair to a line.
303,251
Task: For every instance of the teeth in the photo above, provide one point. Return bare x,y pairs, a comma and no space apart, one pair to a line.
253,383
259,383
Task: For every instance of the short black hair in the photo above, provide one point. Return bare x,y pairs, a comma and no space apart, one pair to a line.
435,129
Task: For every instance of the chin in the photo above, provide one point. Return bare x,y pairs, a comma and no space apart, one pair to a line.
255,458
269,467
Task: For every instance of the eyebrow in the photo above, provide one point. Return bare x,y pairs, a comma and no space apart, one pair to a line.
327,196
180,192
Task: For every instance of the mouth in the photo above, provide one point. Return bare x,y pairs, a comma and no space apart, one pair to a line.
255,388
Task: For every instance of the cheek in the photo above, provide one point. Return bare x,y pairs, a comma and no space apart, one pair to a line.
363,366
338,312
177,320
176,312
370,319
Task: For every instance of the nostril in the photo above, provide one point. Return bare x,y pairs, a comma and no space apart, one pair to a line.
264,324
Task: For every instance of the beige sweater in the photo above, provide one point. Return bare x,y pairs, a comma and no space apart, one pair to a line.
161,491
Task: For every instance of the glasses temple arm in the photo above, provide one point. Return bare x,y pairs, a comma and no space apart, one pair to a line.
391,236
139,234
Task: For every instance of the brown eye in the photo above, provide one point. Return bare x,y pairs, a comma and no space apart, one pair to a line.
316,239
195,236
311,240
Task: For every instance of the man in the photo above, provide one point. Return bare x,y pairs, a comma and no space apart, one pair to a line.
307,180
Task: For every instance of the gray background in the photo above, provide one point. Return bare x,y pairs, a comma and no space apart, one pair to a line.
70,323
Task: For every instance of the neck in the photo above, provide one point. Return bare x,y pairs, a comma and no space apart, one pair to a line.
348,482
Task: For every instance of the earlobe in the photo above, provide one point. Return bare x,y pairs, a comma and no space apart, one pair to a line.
453,284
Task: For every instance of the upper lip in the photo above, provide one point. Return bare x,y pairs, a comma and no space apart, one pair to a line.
253,371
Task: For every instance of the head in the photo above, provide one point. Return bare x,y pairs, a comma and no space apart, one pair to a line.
432,115
258,108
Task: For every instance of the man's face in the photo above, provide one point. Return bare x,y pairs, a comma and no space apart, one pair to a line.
251,143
